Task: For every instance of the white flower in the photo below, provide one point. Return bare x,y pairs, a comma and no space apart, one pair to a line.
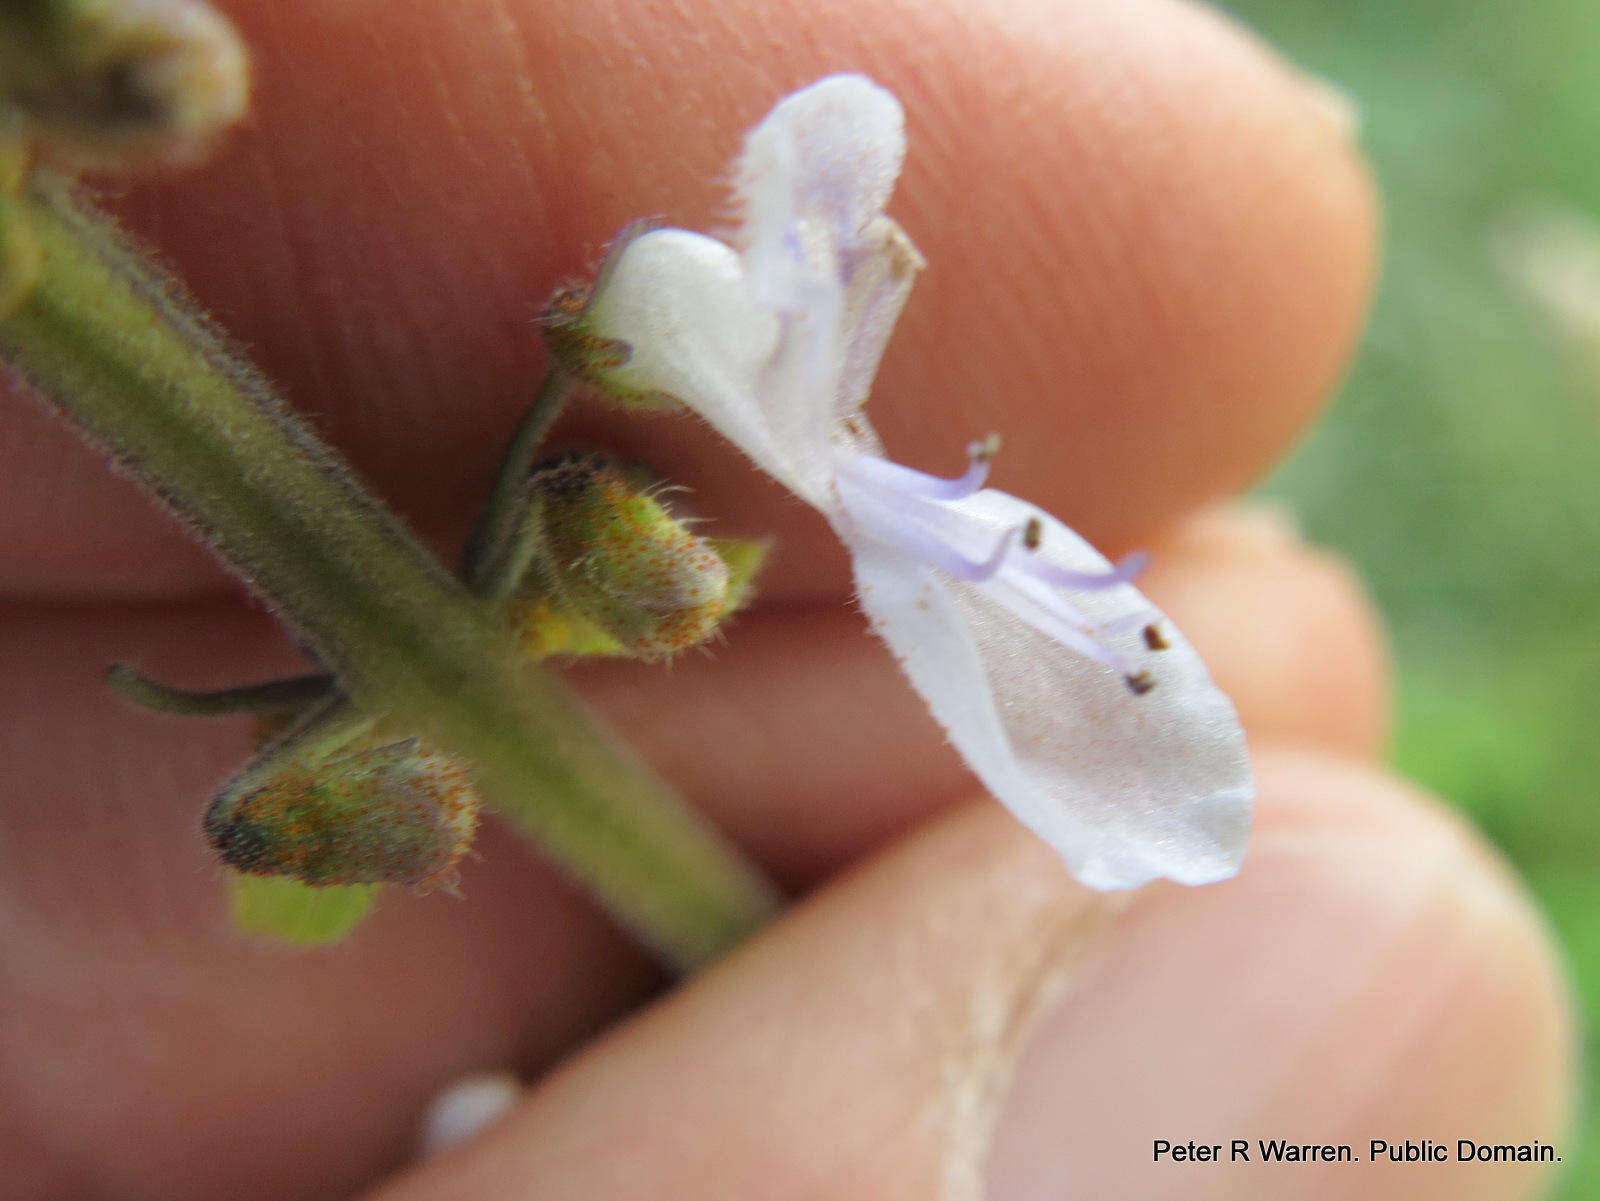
1075,702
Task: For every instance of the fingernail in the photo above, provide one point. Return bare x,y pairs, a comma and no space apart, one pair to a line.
1337,106
1370,975
465,1109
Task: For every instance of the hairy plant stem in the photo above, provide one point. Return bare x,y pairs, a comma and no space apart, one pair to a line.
274,696
117,347
493,566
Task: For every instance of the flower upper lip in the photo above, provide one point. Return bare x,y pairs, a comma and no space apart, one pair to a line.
1066,691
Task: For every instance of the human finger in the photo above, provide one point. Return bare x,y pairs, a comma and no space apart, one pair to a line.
1150,249
110,881
1372,971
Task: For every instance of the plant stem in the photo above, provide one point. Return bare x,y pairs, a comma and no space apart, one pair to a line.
120,350
491,564
274,696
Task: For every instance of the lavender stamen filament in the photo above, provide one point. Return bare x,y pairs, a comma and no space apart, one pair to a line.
912,510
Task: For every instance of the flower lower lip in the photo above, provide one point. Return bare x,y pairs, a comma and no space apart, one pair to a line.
923,516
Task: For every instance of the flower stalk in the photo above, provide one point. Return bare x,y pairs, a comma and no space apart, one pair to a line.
492,567
116,346
273,697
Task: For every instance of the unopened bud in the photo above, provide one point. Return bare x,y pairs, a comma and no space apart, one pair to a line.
617,557
395,814
114,84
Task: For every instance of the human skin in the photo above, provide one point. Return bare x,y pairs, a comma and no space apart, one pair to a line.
1151,245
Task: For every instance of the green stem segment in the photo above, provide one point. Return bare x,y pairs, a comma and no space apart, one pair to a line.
275,696
492,562
119,349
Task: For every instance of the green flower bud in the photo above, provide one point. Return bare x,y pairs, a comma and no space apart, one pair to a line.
114,84
394,814
614,558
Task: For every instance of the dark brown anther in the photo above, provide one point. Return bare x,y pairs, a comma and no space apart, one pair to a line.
1033,534
1139,683
1154,639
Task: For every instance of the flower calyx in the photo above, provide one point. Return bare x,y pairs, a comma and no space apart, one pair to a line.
396,813
588,356
616,571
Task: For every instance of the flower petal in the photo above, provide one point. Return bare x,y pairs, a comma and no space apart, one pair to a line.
813,182
776,346
1126,787
829,153
878,280
679,301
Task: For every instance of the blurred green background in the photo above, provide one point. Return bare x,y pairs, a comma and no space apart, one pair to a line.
1460,467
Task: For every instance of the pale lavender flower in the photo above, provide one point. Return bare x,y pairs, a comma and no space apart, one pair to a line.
1073,700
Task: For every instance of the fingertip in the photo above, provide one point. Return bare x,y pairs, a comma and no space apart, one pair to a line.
1374,972
852,1047
1150,245
1288,630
